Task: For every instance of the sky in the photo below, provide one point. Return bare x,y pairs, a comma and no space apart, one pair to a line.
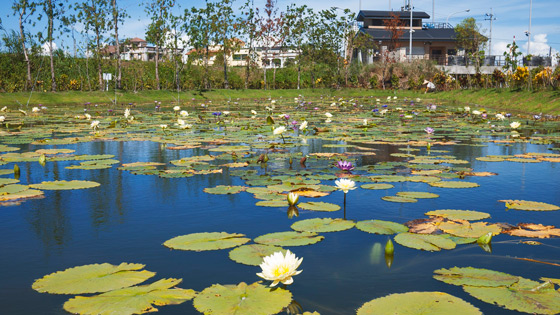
511,18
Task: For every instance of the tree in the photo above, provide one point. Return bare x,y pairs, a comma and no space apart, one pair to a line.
222,29
94,14
270,26
118,17
24,9
395,26
470,39
54,10
175,43
296,31
197,27
247,25
159,11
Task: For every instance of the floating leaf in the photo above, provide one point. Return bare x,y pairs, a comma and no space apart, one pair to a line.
475,277
224,190
454,184
242,299
412,303
275,203
424,226
7,181
65,185
133,300
253,254
399,199
206,241
531,230
381,227
319,225
529,205
417,194
319,206
289,238
377,186
424,241
468,229
92,278
451,214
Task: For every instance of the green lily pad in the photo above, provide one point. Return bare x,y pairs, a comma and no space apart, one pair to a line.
319,206
399,199
529,205
206,241
274,203
452,214
319,225
253,254
133,300
417,194
65,185
377,186
381,227
224,190
289,238
468,229
525,296
92,279
414,303
424,241
12,189
8,181
475,277
242,299
454,184
5,148
6,172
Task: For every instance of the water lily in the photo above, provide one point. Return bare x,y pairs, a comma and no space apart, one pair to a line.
500,117
345,185
35,110
23,112
467,109
279,268
254,112
365,122
293,199
329,115
476,112
88,116
176,108
279,130
2,118
226,113
328,120
515,125
94,124
184,113
344,166
4,109
303,125
217,114
429,130
384,111
126,113
163,126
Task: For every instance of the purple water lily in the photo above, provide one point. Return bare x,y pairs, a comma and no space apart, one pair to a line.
508,115
344,166
375,110
429,130
217,113
384,105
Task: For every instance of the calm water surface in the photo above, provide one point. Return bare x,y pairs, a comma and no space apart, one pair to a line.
128,218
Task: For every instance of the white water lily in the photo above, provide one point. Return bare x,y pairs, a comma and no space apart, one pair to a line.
388,98
328,120
126,113
186,126
88,116
467,109
163,126
94,124
383,111
280,130
377,100
35,110
180,122
398,108
176,108
303,125
329,115
476,112
365,122
345,184
515,125
22,111
2,118
279,268
225,113
4,109
293,199
394,97
254,112
500,117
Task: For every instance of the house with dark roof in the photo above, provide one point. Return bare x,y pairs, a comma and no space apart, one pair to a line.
433,41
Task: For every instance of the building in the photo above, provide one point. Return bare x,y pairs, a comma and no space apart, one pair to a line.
138,49
433,41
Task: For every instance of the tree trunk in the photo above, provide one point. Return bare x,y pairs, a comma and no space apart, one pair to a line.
298,75
50,38
99,69
157,67
117,44
248,66
264,68
53,79
22,39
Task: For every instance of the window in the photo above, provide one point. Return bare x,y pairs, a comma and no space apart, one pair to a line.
239,57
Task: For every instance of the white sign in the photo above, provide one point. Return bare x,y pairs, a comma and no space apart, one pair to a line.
107,76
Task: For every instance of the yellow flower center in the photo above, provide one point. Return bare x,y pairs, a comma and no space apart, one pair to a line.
280,270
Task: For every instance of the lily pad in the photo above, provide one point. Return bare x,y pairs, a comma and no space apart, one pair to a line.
399,199
454,184
413,303
377,186
475,277
253,254
424,241
319,206
224,190
133,300
451,214
206,241
468,229
319,225
65,185
8,181
417,194
241,299
274,203
92,279
529,205
381,227
289,238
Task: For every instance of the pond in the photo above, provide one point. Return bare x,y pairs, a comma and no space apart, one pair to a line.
137,207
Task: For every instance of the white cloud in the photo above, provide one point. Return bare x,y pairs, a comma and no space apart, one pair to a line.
539,46
46,48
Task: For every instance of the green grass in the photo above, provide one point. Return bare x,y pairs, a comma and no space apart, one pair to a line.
503,100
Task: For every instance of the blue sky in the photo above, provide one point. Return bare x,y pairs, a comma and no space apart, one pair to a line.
512,17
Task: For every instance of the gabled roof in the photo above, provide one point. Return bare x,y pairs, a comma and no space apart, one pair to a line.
435,34
383,15
136,39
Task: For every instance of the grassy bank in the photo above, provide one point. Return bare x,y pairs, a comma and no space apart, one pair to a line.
505,100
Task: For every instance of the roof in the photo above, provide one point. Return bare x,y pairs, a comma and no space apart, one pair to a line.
383,15
436,34
136,39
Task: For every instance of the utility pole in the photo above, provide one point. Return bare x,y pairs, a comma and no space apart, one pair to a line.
529,44
433,12
410,31
490,17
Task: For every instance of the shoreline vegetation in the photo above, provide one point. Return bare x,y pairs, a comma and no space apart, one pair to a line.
518,101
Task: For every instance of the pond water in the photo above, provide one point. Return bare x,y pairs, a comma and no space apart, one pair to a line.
128,218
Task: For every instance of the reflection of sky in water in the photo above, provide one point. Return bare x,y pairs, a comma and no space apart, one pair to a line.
130,216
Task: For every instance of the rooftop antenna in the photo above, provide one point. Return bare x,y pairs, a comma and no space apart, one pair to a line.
490,17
